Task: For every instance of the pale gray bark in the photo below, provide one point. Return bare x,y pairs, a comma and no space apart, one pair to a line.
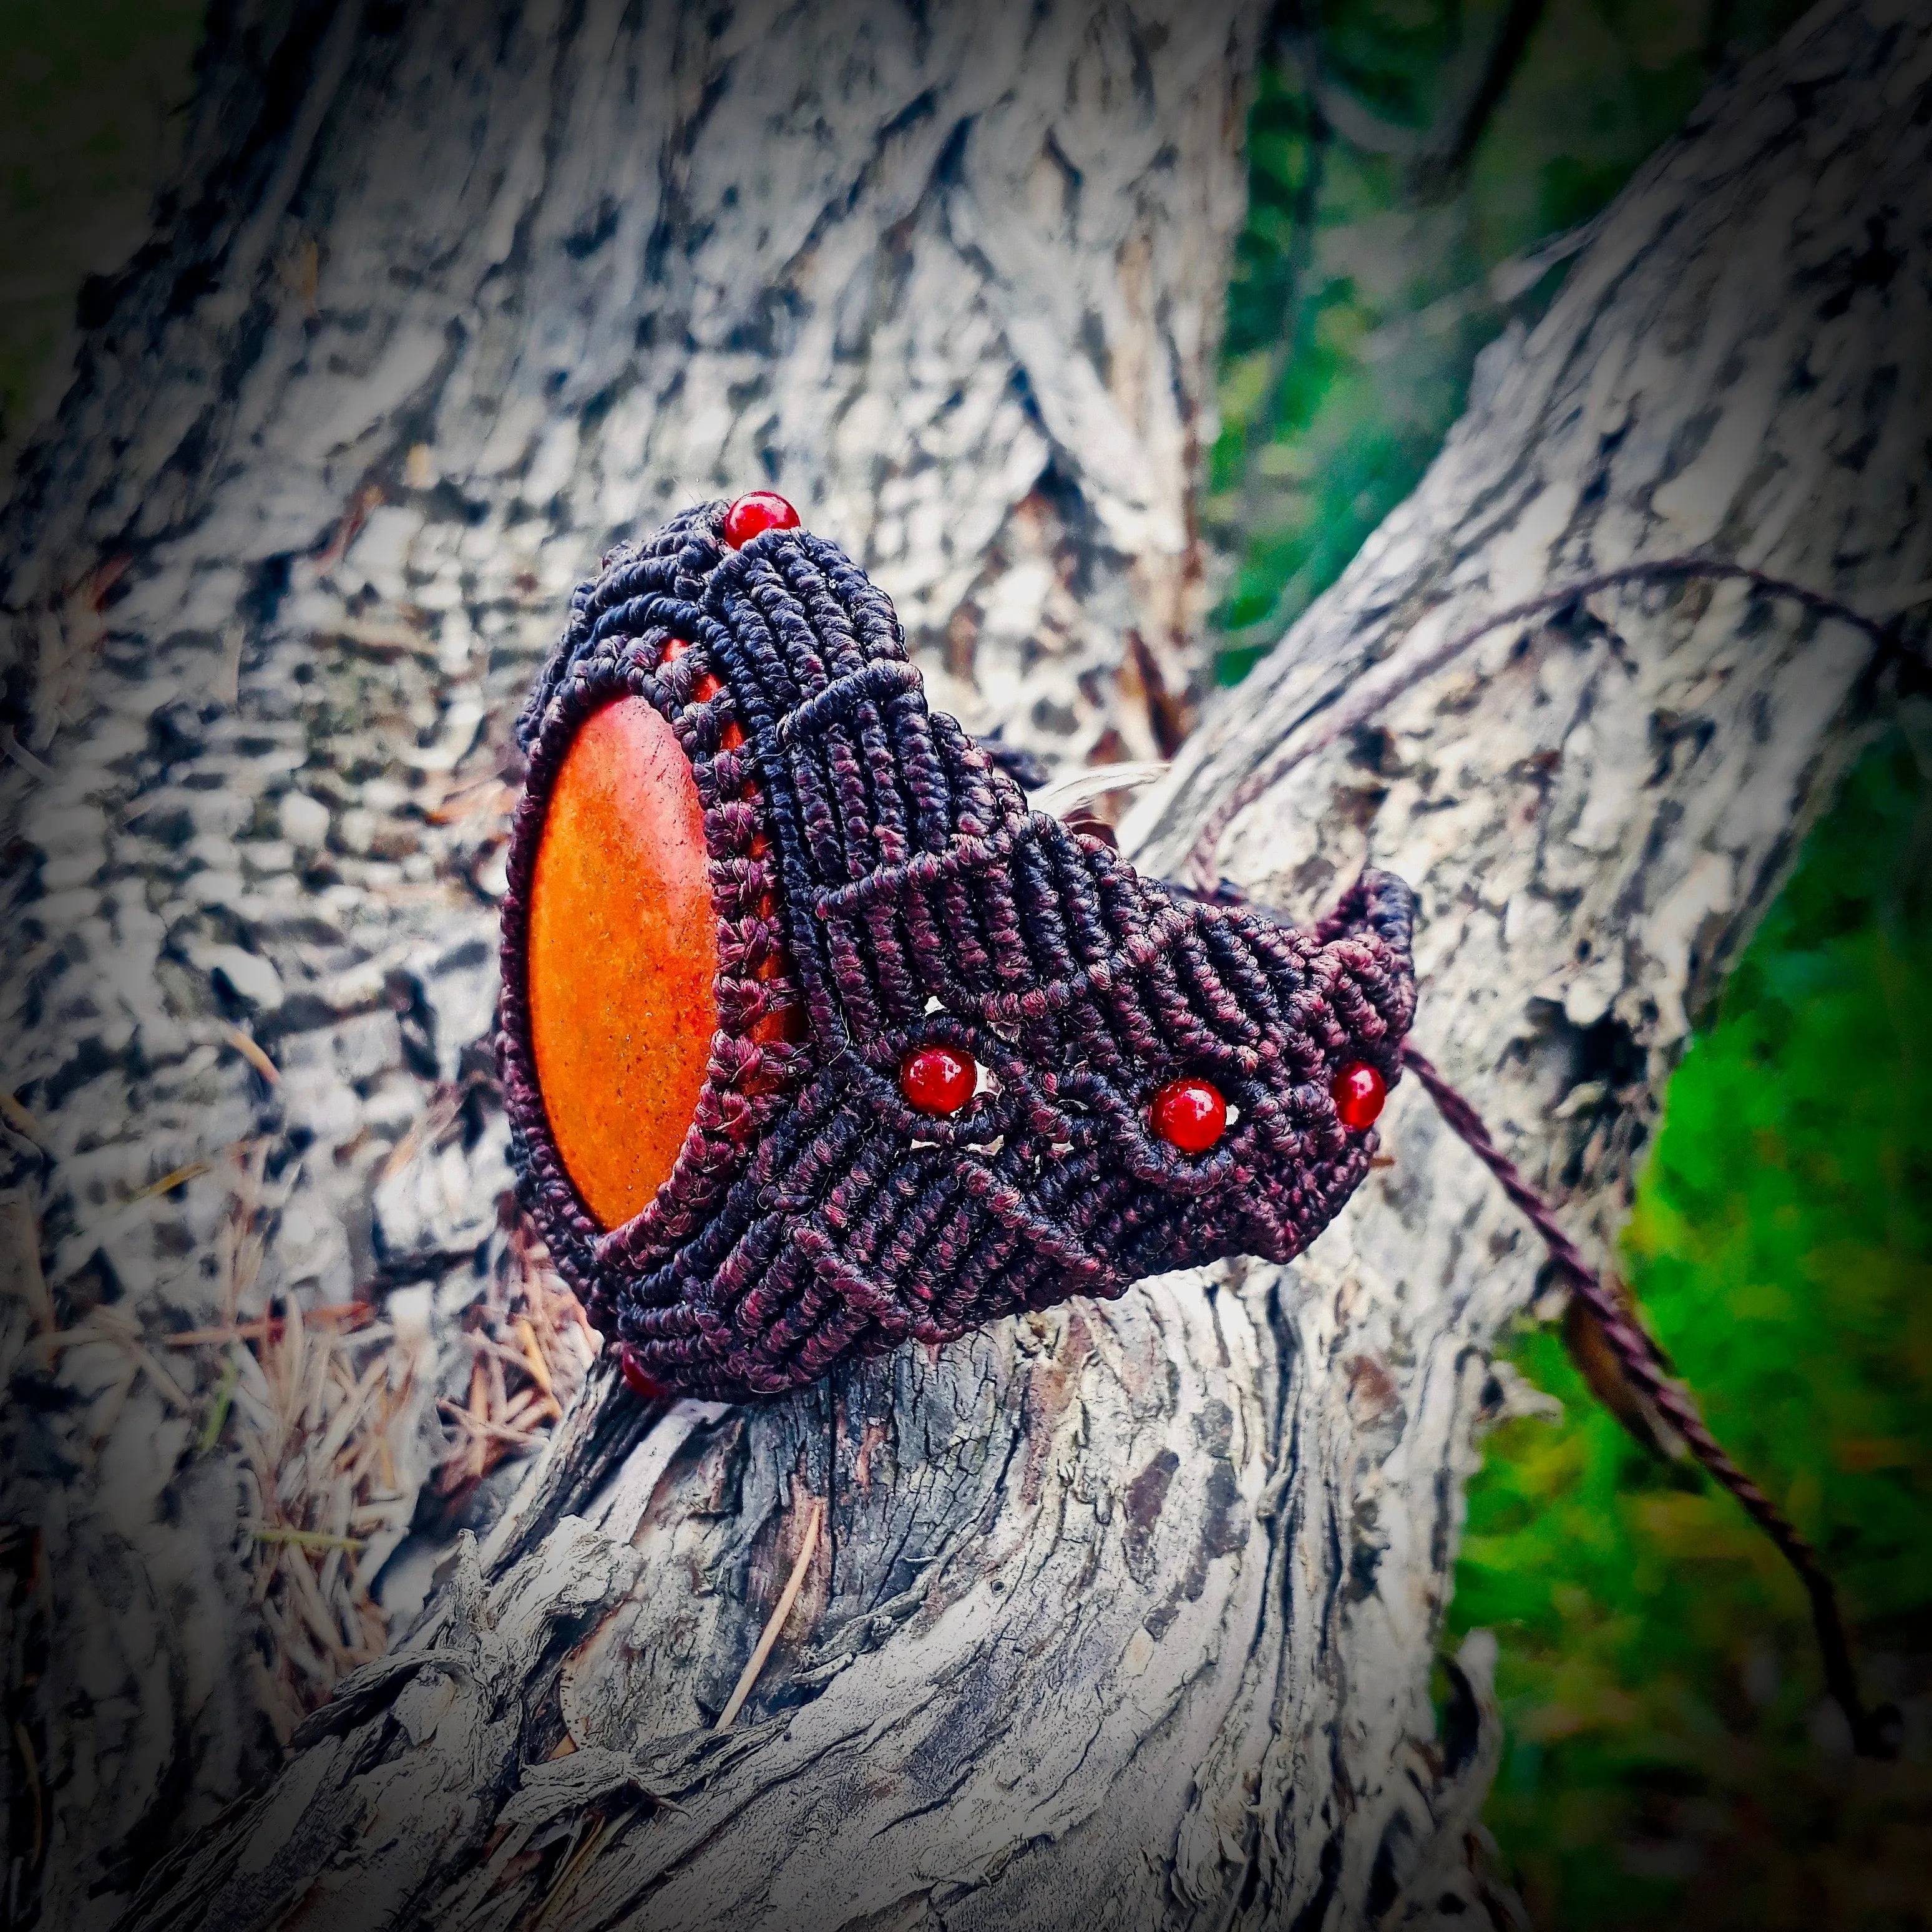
448,297
1125,1614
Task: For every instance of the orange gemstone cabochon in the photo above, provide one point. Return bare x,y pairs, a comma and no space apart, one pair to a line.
622,958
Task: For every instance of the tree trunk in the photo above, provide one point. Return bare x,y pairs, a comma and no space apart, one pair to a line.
448,298
1122,1614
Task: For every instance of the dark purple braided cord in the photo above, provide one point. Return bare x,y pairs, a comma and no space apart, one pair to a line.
1874,1733
879,880
1371,697
813,1215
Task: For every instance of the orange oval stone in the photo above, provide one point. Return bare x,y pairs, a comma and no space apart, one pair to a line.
622,958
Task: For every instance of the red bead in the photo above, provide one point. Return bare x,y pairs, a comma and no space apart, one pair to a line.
1190,1114
1358,1092
635,1380
937,1079
751,516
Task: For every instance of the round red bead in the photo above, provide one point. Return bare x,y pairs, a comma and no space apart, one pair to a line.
635,1379
1358,1092
937,1079
751,516
1190,1114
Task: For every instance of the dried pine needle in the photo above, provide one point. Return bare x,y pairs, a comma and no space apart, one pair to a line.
245,1044
304,1539
322,1406
20,1120
193,1171
794,1583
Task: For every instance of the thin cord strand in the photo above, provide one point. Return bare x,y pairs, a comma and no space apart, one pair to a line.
1873,1733
1373,696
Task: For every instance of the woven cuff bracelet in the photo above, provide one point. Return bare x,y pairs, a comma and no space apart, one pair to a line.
816,1038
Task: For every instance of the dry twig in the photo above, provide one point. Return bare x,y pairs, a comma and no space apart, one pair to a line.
531,1345
794,1583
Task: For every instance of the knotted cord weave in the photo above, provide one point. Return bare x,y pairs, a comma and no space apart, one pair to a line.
880,884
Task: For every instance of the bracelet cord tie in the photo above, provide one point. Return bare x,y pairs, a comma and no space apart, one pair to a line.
881,887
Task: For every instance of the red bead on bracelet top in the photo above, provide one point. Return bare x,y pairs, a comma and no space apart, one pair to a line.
751,516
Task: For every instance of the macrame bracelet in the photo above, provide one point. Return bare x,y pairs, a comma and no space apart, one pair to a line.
815,1039
750,1180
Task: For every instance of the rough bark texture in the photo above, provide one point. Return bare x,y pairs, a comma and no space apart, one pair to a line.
1123,1614
448,298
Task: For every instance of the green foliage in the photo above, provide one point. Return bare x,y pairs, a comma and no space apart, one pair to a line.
1361,294
1660,1689
88,99
1668,1760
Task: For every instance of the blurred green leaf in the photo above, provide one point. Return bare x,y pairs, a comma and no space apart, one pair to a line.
1361,295
1660,1685
1656,1656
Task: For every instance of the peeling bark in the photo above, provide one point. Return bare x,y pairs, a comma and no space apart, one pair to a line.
446,299
1123,1614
